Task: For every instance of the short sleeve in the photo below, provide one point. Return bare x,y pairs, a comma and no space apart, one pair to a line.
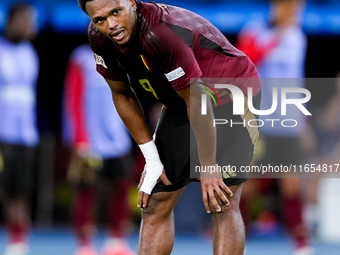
106,63
109,68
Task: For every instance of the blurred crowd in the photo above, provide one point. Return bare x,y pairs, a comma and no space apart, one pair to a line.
85,175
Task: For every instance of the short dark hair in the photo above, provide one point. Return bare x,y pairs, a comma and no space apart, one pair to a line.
82,4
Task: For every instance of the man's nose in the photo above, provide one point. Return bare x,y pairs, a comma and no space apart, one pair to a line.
112,22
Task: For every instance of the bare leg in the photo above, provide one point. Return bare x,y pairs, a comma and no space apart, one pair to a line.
157,229
229,232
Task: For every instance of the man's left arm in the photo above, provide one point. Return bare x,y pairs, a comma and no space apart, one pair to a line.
213,187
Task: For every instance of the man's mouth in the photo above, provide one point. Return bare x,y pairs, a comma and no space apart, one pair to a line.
117,35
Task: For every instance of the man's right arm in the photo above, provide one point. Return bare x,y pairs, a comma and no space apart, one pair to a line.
131,113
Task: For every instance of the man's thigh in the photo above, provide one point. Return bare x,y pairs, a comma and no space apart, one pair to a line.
162,203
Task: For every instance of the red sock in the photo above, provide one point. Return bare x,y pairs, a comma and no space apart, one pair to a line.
17,232
119,209
292,209
83,215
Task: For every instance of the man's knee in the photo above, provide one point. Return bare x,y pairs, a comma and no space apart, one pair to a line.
234,205
161,204
226,209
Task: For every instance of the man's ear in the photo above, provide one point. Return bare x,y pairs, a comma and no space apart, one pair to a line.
133,5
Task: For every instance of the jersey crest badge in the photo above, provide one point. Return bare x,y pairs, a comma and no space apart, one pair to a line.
175,74
100,60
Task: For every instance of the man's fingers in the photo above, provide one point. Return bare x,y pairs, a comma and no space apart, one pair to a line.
165,179
222,196
140,199
222,191
215,192
214,201
206,202
141,180
226,189
143,199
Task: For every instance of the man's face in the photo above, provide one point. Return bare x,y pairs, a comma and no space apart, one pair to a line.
23,25
115,19
281,10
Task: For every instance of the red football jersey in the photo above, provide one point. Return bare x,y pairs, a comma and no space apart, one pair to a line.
172,47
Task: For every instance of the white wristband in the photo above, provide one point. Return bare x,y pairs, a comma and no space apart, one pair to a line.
153,167
149,150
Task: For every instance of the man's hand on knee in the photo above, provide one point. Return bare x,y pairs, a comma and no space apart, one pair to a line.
213,190
153,172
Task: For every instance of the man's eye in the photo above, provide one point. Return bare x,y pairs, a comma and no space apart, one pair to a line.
115,12
99,21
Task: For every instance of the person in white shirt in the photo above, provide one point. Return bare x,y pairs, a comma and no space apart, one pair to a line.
19,70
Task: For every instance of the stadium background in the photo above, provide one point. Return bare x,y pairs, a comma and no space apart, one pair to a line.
62,27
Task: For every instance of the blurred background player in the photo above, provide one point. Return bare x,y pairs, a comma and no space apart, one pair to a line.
99,141
278,49
19,70
326,126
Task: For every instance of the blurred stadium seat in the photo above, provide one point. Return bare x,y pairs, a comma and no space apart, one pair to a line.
321,17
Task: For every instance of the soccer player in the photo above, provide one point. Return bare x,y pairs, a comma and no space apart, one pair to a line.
102,164
170,51
278,49
19,68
